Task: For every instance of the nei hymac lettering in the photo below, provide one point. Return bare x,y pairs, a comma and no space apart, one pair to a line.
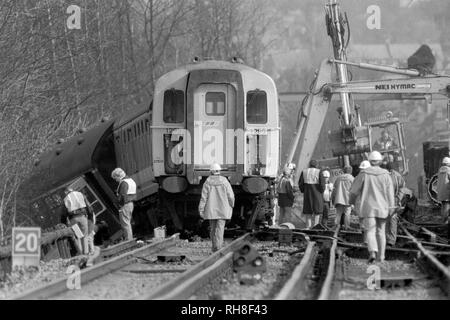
395,86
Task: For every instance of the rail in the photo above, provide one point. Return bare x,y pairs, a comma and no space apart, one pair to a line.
298,278
433,264
194,278
89,274
325,291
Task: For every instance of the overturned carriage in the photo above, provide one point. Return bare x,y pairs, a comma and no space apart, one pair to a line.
205,112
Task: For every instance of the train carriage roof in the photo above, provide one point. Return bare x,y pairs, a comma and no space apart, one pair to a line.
69,160
211,64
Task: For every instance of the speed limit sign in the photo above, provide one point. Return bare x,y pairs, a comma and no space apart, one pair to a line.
26,246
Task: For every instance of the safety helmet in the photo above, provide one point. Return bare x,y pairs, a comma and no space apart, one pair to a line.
364,165
118,173
375,156
215,167
446,161
287,170
326,174
287,225
291,166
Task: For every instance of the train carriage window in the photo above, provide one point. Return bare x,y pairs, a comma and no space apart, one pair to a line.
256,107
215,103
173,106
94,202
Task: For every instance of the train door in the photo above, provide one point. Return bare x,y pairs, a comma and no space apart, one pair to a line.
214,126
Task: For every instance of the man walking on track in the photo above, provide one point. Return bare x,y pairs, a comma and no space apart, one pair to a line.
216,205
340,197
375,187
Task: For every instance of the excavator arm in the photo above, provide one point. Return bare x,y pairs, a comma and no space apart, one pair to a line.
318,100
413,84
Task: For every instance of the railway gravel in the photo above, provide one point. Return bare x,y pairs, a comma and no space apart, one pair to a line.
279,267
143,276
19,281
356,274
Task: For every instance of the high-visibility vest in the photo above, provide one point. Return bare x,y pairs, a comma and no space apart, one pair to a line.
131,186
311,176
74,201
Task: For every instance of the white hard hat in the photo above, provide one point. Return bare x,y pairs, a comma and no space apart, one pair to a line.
446,161
215,167
326,174
291,166
375,156
287,225
364,165
118,173
287,170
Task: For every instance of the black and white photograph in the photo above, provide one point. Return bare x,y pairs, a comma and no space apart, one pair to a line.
231,155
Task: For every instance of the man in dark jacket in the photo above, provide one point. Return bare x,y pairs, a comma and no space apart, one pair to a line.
312,185
285,197
392,220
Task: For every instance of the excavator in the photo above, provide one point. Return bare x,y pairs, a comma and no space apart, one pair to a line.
355,139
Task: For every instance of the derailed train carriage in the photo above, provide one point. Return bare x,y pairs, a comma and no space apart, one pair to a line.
204,112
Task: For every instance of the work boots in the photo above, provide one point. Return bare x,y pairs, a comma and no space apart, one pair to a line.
372,256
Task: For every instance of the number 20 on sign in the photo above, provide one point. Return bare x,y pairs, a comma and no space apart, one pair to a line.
26,247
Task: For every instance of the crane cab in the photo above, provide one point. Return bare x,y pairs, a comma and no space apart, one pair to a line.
386,135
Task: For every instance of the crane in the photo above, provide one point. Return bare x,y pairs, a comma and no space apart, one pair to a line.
354,139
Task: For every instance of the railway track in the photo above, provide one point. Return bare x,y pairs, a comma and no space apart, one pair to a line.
329,269
60,287
318,265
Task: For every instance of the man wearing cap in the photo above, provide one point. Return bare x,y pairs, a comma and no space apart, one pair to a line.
375,187
285,196
126,194
443,187
392,221
312,185
77,212
326,197
340,197
216,204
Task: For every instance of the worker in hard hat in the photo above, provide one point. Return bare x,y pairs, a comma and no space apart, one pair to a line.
340,197
216,204
327,197
312,185
374,186
126,193
363,166
285,196
77,212
391,224
443,187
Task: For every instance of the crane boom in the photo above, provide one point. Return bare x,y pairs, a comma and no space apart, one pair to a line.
318,100
354,138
